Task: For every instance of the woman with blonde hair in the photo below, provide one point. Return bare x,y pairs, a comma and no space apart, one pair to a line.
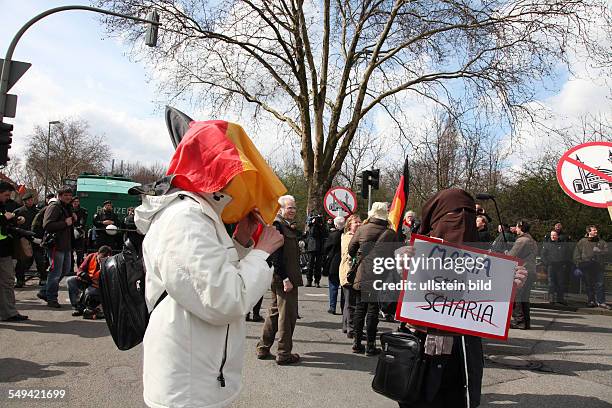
352,223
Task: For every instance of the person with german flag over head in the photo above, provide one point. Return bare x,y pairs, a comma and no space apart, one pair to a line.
194,342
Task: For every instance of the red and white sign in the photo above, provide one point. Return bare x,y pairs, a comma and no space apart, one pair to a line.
458,289
585,173
340,201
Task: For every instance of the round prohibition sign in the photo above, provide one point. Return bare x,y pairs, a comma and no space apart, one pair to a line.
585,173
340,201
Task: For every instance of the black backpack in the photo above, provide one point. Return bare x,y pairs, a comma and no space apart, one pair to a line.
37,223
122,285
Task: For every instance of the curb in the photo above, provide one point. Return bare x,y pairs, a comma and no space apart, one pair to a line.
581,310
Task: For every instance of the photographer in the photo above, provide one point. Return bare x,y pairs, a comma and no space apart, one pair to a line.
26,214
40,253
8,312
88,279
57,223
314,247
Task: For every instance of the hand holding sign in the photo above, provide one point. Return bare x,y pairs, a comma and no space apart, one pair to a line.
459,289
520,276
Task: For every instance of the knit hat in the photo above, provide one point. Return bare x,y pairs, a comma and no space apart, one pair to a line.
27,196
379,210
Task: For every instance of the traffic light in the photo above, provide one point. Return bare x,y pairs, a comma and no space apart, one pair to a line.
6,133
375,179
369,178
365,182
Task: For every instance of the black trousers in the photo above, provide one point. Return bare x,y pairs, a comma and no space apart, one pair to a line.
522,307
366,312
42,261
451,393
22,267
79,249
315,262
257,307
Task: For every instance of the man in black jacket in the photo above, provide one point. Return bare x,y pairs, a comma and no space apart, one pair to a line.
58,221
8,312
287,277
556,259
28,212
103,219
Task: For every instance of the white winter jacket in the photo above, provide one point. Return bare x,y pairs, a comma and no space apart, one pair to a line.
212,283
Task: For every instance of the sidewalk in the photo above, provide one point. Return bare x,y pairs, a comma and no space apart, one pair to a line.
564,362
575,303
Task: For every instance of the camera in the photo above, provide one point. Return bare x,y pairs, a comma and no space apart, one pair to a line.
49,240
315,220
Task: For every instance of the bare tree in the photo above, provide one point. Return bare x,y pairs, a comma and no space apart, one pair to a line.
587,128
15,170
144,173
324,68
72,150
445,153
366,152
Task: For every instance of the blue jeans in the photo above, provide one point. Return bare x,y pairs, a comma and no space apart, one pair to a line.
333,295
75,290
60,266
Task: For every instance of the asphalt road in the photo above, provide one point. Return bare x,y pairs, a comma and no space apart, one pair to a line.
565,361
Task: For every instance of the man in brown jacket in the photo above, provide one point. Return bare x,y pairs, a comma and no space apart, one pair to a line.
287,277
589,256
526,249
58,222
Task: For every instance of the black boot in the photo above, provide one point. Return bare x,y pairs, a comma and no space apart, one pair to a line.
371,349
358,347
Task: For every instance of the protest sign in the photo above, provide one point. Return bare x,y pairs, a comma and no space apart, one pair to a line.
458,288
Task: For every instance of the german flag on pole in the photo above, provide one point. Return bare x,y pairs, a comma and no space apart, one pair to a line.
398,205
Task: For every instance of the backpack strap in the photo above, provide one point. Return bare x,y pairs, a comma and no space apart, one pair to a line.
163,295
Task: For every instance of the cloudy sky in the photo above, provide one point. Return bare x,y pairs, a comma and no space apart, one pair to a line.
77,72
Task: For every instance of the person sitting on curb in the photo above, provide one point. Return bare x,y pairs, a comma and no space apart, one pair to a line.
88,279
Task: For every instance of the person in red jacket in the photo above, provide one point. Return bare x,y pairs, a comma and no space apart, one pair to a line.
87,279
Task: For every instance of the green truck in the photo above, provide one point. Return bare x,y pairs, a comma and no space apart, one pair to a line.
93,190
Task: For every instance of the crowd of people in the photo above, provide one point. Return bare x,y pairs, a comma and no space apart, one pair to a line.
344,242
333,251
55,236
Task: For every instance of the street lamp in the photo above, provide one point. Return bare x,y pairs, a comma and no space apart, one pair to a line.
53,122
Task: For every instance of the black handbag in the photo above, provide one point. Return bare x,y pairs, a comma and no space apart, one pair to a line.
400,368
350,276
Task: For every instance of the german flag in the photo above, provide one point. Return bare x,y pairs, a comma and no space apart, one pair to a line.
398,205
217,155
